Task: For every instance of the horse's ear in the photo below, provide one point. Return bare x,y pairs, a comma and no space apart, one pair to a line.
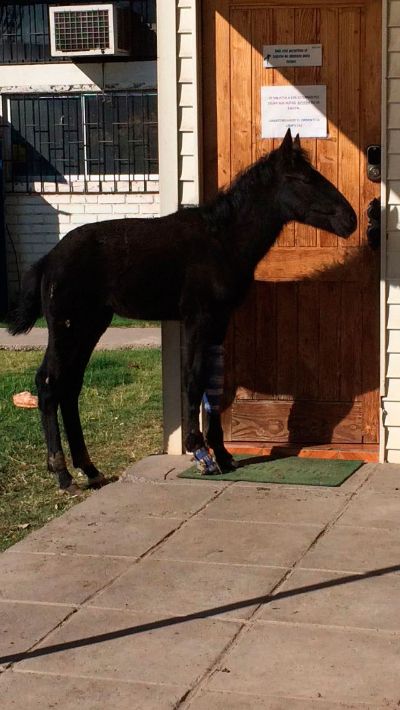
287,143
296,143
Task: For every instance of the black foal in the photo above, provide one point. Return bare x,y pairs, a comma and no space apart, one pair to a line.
194,266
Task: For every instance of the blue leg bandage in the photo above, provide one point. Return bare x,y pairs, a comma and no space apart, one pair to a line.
215,379
205,462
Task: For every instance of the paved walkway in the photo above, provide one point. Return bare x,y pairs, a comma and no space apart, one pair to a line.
159,593
112,339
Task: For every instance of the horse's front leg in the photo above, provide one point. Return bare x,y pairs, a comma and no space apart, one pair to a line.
195,378
212,404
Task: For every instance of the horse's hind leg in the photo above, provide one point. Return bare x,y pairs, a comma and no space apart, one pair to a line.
48,396
69,403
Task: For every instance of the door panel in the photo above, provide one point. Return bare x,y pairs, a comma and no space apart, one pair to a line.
303,350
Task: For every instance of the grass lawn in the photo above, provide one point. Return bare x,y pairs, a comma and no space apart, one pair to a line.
121,405
117,322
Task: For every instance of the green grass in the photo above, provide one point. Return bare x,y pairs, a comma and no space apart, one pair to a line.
117,322
121,415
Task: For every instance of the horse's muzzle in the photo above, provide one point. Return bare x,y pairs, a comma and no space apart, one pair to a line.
346,224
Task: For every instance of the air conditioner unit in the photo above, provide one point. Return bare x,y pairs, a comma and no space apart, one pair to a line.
89,30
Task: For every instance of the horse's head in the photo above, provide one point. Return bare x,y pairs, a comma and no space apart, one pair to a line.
305,195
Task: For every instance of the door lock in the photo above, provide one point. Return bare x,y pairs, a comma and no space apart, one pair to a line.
374,163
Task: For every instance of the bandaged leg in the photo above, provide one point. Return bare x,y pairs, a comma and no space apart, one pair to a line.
212,406
205,461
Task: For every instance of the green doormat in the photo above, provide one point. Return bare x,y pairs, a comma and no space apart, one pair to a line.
292,470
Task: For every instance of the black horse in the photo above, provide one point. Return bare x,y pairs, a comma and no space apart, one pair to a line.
194,266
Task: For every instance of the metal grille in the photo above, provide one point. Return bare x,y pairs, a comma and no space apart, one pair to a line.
25,38
82,30
77,142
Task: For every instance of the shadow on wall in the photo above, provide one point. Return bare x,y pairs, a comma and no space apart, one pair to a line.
33,226
305,386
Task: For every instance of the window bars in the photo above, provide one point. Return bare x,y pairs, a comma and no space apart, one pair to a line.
79,143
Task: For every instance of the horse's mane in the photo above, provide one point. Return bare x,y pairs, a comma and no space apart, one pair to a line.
228,202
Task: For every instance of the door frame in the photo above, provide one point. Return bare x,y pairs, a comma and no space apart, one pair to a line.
168,62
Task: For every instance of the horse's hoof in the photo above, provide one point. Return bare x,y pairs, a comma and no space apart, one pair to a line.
227,463
72,491
100,481
205,462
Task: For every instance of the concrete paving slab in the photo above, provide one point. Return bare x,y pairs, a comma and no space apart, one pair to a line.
23,625
355,549
161,467
239,543
32,691
130,643
274,505
373,509
131,500
208,700
189,587
174,654
312,662
384,477
125,536
317,597
63,579
358,478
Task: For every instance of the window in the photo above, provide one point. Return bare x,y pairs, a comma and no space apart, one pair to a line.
68,142
24,31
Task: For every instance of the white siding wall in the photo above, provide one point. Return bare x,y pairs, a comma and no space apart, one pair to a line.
391,380
178,90
188,86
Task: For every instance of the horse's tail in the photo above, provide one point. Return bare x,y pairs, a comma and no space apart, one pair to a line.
29,306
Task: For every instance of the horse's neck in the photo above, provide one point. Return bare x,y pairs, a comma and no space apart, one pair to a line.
247,220
256,224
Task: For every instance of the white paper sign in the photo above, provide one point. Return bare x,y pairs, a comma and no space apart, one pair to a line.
292,55
300,108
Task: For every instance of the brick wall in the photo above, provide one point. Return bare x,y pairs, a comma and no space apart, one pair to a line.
36,222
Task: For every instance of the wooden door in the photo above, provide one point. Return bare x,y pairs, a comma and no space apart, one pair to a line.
303,351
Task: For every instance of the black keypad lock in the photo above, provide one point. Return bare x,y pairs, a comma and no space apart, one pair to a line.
374,163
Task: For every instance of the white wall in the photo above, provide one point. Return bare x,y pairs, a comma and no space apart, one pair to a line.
63,77
36,222
178,89
188,102
391,265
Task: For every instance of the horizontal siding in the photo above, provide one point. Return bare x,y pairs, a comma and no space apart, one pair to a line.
394,13
186,96
393,343
393,242
393,456
393,197
185,46
393,265
393,390
393,439
393,291
186,143
187,102
392,414
393,319
391,419
185,18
